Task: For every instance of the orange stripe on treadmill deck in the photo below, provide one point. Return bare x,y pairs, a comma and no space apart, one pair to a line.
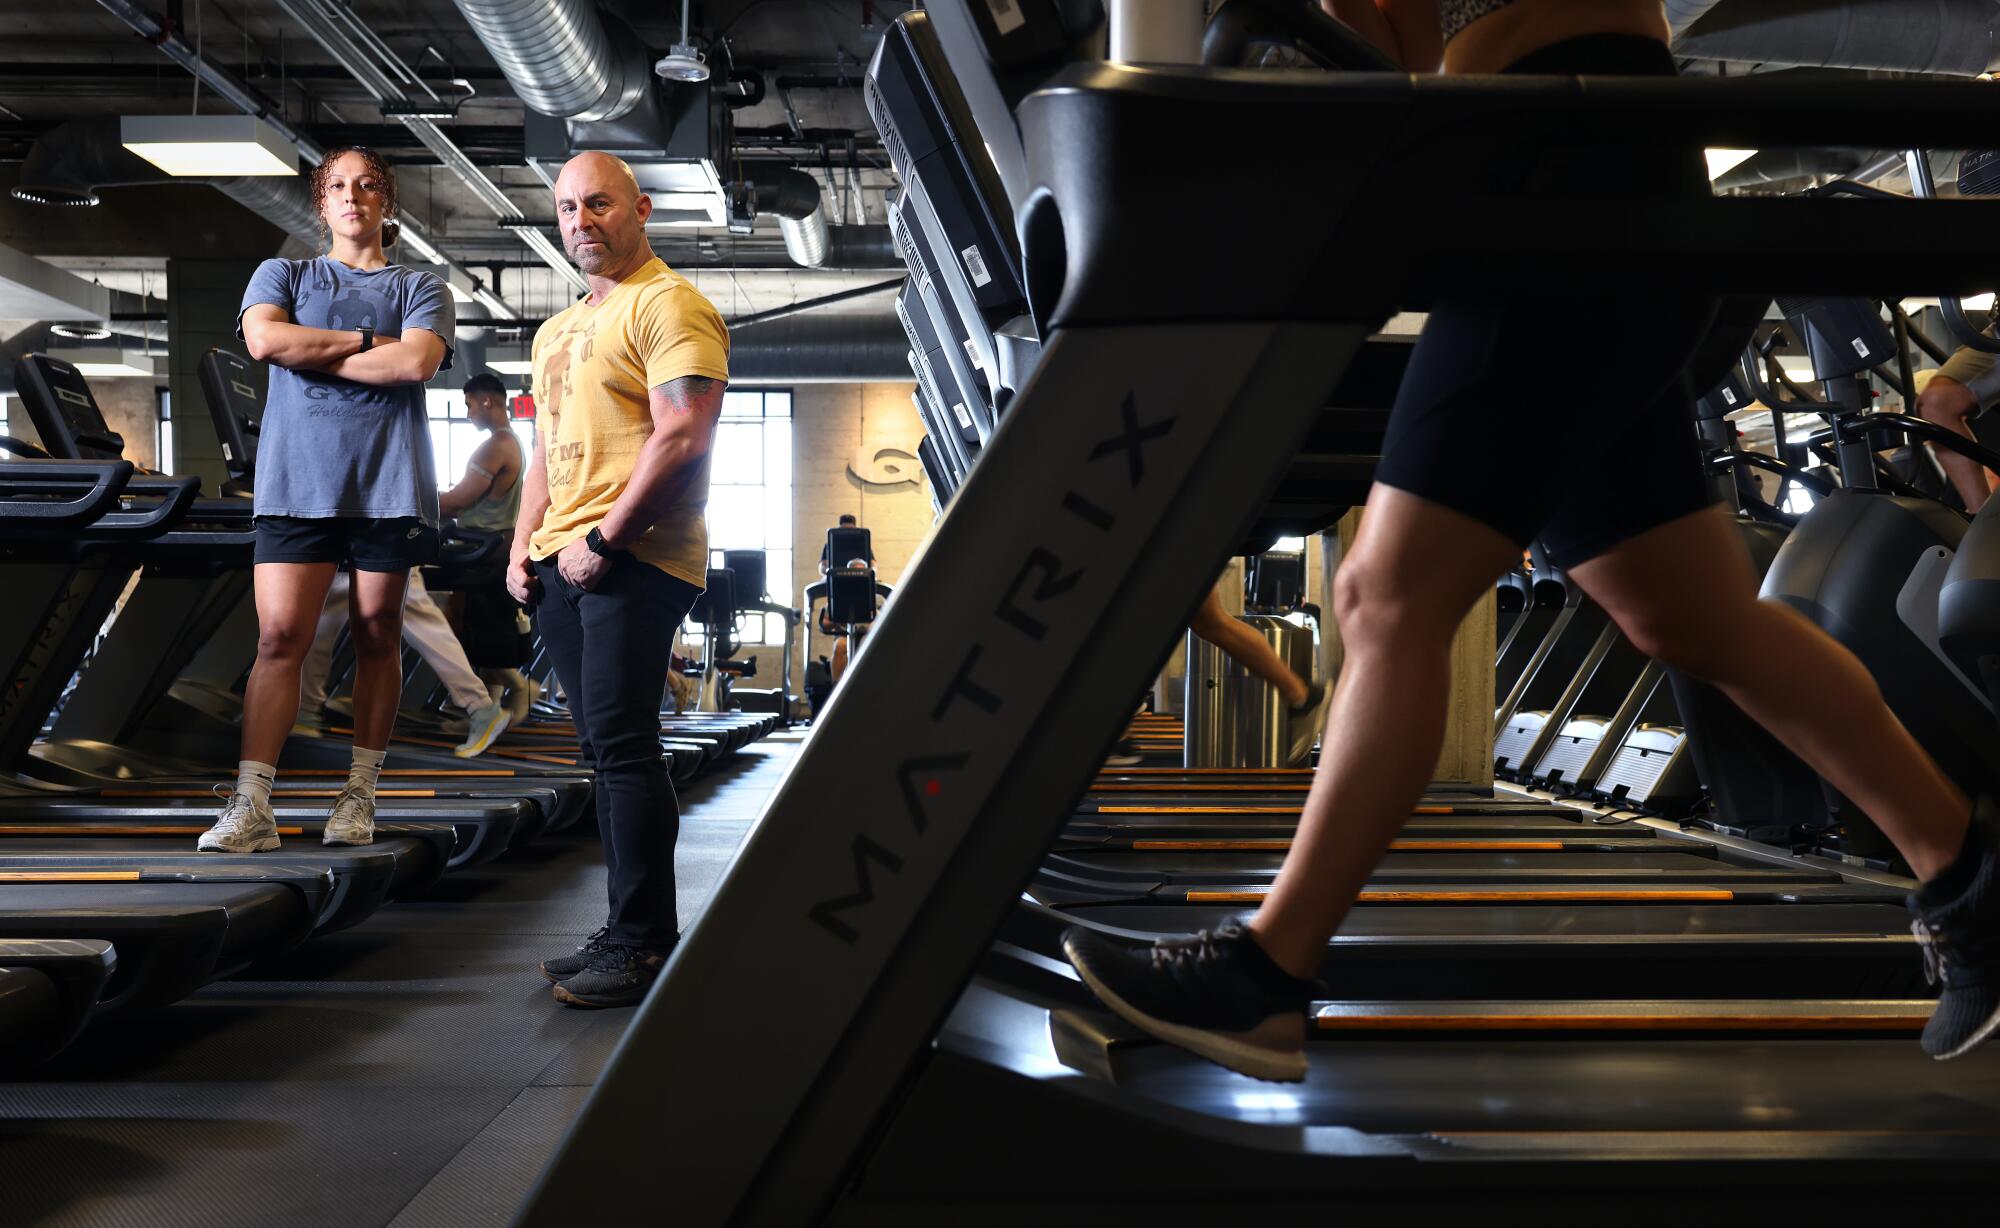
1620,1023
54,830
276,796
1491,897
1395,846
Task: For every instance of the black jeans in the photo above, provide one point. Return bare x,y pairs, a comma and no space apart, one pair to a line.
610,649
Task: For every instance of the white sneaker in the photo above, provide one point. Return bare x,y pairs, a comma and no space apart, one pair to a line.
242,827
352,820
482,727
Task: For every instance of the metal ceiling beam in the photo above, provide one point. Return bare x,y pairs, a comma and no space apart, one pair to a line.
382,74
239,93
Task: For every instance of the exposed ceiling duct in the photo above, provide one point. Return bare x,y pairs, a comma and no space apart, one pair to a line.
1788,165
1954,37
820,349
1683,13
793,197
562,56
70,162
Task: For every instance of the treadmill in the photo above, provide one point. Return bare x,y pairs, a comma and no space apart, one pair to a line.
927,1059
133,741
48,991
172,922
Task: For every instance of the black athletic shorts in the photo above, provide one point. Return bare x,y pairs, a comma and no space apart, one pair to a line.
396,544
1568,418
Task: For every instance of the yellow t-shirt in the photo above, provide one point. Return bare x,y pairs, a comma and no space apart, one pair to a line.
594,368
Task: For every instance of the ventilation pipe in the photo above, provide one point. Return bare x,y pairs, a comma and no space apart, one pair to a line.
793,197
1787,165
561,56
70,162
1683,13
821,349
1953,37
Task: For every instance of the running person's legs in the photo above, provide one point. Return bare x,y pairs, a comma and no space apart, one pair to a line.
1624,508
1304,699
1252,651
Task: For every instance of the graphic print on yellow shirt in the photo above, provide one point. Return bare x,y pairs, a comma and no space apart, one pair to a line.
594,369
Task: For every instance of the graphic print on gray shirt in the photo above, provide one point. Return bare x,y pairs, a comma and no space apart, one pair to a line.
330,446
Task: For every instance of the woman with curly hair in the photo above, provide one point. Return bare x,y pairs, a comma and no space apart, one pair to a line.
344,479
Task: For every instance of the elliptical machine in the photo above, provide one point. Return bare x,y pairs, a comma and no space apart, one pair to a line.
1869,564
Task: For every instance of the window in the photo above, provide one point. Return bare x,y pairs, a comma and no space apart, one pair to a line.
750,498
163,442
454,438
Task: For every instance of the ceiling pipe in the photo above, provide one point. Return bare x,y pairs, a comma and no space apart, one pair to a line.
793,197
814,304
821,349
239,94
1683,13
560,56
1953,37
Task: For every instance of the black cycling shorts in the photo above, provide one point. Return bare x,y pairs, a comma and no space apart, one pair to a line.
1562,418
396,544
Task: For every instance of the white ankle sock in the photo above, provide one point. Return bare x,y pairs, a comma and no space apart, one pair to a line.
253,780
365,770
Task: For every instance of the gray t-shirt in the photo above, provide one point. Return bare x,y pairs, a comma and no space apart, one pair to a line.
330,446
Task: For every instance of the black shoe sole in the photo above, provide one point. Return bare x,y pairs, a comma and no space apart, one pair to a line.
600,1002
1983,1033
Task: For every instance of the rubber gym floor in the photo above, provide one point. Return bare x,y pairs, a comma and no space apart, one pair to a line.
410,1071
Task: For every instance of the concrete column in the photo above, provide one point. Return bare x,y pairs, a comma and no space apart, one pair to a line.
202,297
1157,31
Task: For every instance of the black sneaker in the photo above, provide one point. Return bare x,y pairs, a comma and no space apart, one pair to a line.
1958,926
563,967
618,975
1217,995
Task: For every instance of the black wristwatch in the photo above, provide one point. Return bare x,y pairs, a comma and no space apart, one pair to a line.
367,338
596,544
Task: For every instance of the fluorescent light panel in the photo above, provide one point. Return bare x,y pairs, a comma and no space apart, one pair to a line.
210,145
1722,161
420,245
107,370
510,366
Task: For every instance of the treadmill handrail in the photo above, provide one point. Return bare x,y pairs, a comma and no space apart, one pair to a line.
174,494
1236,24
104,482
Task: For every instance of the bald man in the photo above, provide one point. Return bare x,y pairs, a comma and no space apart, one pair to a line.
611,547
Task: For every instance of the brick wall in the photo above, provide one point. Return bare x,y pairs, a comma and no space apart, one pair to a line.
841,435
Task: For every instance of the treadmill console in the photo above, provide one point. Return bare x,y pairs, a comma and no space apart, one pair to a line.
64,413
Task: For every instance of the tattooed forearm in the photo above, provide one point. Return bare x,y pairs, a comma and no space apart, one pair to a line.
688,393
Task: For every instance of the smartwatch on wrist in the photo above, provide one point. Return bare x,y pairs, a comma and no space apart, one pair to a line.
595,543
367,338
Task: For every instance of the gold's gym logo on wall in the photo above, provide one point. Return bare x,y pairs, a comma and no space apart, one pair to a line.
884,465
